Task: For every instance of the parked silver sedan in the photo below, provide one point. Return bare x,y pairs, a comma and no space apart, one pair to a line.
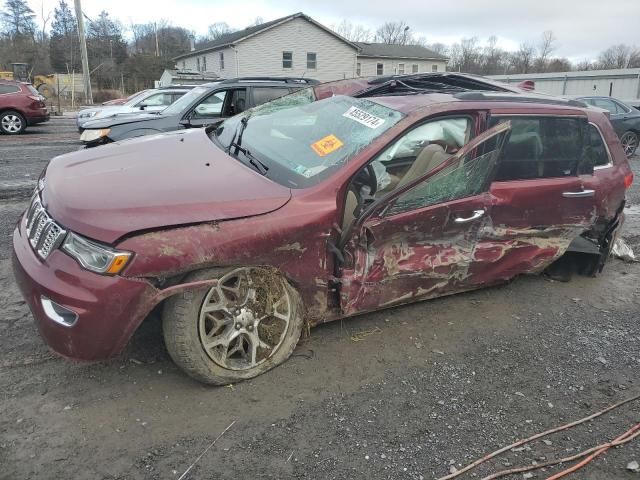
154,100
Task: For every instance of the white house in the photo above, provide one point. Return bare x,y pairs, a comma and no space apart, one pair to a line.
295,46
298,46
383,59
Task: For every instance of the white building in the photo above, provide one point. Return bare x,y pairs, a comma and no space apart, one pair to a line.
623,84
293,46
298,46
383,59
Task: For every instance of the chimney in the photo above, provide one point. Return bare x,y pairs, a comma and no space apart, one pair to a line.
192,43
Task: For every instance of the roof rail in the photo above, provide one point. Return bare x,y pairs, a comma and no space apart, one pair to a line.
506,97
306,81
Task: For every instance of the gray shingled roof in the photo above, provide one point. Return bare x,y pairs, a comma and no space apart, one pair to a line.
397,51
234,37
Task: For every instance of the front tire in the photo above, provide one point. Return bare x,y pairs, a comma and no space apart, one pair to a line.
629,142
244,326
12,123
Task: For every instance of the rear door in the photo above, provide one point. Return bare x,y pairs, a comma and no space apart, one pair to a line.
419,241
541,196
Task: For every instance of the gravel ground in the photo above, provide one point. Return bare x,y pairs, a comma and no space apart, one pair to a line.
433,386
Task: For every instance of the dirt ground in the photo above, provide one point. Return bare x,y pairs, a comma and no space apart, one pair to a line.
407,393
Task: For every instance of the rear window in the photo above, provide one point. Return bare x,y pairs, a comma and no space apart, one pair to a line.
9,89
265,94
542,147
596,148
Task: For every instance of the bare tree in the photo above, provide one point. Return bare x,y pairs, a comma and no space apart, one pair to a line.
619,56
466,55
353,33
546,47
491,61
522,59
257,21
394,33
439,48
217,30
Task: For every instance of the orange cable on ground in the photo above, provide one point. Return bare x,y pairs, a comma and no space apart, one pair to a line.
626,435
527,468
535,437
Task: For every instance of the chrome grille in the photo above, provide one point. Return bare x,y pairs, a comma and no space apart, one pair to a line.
44,234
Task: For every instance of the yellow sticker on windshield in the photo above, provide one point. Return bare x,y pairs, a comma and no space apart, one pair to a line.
326,145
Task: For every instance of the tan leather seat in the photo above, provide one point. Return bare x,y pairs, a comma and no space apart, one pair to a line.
351,204
429,158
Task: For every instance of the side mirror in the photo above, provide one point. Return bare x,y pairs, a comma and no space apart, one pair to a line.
143,106
185,122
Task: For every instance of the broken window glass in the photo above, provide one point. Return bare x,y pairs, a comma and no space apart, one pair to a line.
465,177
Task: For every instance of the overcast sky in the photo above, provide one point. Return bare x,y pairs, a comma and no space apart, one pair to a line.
583,27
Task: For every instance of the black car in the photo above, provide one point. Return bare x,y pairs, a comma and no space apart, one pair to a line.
203,105
625,120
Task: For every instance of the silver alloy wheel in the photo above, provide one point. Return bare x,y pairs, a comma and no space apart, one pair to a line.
11,123
245,318
629,143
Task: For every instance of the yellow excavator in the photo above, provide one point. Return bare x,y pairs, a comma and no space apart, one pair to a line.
21,72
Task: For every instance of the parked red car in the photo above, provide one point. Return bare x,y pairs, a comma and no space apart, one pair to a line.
20,106
303,211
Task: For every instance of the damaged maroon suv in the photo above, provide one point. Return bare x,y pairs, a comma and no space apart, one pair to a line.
333,201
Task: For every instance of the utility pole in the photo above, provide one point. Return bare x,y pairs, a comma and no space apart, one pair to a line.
155,27
83,52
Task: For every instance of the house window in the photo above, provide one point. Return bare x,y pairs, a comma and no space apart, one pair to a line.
221,60
414,68
287,59
380,69
434,68
358,69
204,64
401,68
198,63
311,61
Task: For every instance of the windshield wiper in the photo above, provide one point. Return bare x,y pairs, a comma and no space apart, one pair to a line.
259,166
238,134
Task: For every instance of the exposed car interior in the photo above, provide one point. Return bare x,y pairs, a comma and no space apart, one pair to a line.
412,156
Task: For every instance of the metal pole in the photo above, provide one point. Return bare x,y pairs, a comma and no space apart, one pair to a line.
83,52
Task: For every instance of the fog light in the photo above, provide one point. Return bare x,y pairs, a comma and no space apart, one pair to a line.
58,313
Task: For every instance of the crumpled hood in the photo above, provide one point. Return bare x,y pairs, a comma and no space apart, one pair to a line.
153,182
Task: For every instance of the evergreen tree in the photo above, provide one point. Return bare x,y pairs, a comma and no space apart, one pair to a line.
64,46
17,19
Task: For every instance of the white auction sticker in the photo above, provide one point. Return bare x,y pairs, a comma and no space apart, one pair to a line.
363,117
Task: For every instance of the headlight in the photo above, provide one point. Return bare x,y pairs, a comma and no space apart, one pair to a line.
95,257
87,114
90,135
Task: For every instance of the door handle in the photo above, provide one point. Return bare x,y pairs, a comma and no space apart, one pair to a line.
476,214
582,194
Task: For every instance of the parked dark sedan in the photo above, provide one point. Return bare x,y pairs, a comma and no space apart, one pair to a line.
202,106
625,120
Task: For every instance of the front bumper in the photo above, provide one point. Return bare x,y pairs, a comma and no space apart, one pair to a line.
109,309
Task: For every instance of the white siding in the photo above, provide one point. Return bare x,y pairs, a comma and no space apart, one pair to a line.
212,63
369,65
261,55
